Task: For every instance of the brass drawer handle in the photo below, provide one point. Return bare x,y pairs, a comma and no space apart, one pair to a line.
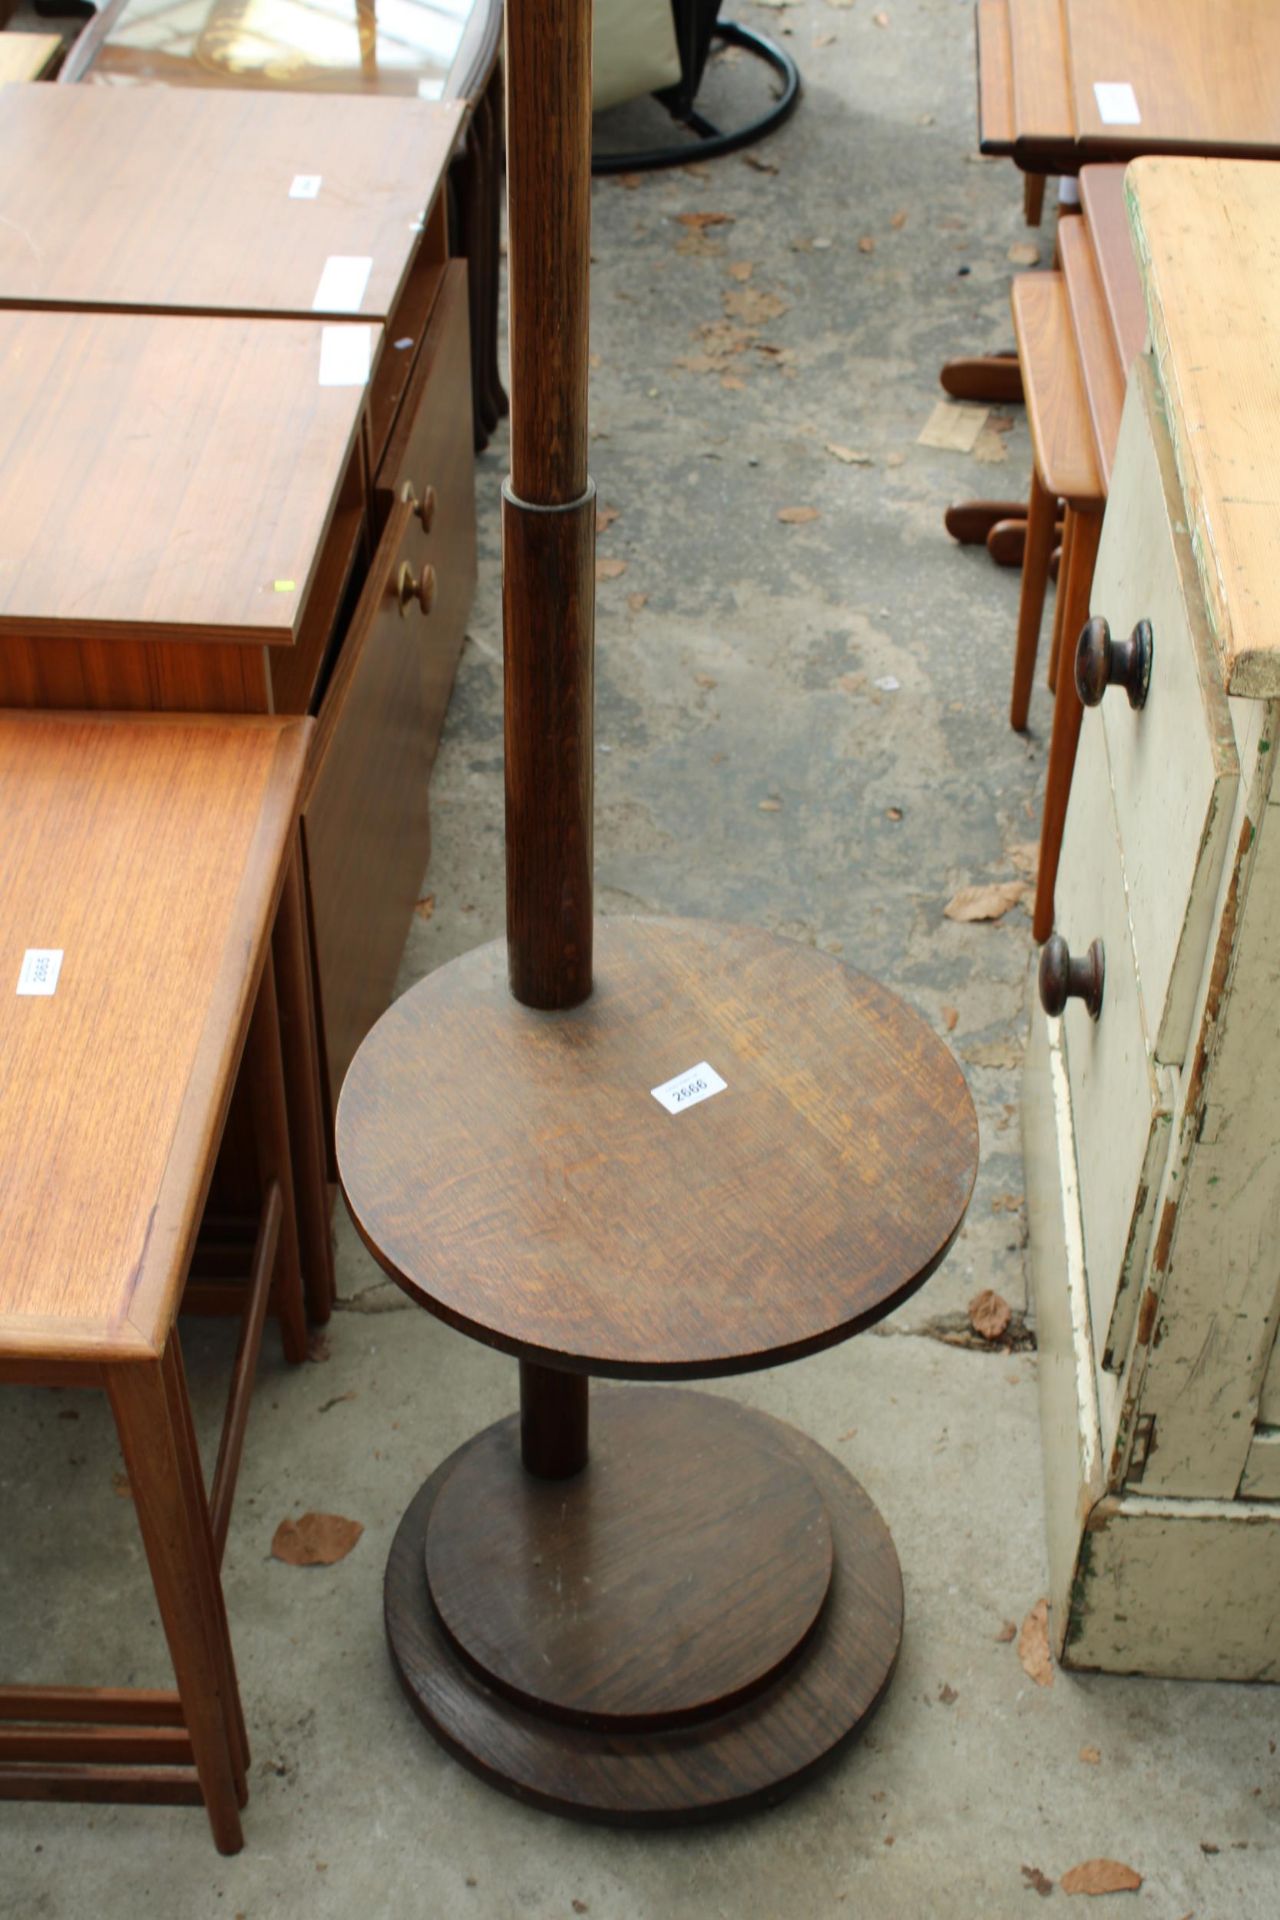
423,590
1063,979
424,509
1102,662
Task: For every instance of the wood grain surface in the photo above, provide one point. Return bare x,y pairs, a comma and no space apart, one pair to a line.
158,198
752,1755
513,1171
170,473
671,1578
1203,75
1102,196
1041,93
1057,407
150,851
1208,234
997,121
1100,368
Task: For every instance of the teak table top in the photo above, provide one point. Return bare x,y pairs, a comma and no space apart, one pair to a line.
214,202
1057,405
149,851
176,473
514,1172
1106,211
1208,242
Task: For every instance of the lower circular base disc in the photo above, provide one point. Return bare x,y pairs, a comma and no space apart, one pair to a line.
750,1755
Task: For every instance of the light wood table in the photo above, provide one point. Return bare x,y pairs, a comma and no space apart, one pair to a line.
144,866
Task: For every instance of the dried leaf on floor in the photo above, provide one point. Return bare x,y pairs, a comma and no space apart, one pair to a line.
1033,1645
989,1314
704,680
594,362
610,569
824,40
315,1540
1007,1203
1101,1876
1008,1632
580,1906
994,1053
426,906
1092,1756
1040,1881
893,813
733,383
880,19
770,806
701,220
757,161
953,427
990,900
337,1400
697,170
1024,253
950,1015
899,219
753,305
605,516
637,600
947,1694
741,269
989,448
849,455
851,682
630,181
1024,855
798,516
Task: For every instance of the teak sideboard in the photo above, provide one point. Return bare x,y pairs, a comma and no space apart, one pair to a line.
242,340
1151,1113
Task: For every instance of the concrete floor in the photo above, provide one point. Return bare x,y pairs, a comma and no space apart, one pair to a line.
749,674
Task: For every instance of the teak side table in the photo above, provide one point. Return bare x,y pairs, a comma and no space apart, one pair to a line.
695,1617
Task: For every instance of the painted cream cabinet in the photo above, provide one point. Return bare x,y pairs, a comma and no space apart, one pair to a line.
1152,1133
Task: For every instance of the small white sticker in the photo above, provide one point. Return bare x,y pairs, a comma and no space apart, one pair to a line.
342,284
696,1083
305,186
1117,103
345,355
39,970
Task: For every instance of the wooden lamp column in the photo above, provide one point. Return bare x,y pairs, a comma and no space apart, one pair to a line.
697,1612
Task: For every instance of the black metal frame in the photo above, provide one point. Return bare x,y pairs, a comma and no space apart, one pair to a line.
711,141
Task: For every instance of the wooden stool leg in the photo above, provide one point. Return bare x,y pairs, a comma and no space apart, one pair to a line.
1033,197
1042,511
1076,580
264,1066
172,1526
291,952
1060,604
179,1403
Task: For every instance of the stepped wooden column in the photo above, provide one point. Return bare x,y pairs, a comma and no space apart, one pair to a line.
653,1151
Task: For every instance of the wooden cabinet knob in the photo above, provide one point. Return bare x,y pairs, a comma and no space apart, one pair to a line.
1063,979
423,590
1102,662
424,509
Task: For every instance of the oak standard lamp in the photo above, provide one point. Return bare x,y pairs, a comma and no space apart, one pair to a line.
694,1151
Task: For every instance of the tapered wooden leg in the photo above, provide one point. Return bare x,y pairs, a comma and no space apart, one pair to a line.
175,1533
291,952
1060,603
1042,510
1033,197
264,1068
1073,591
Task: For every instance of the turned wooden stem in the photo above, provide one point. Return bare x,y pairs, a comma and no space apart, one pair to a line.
553,1421
548,508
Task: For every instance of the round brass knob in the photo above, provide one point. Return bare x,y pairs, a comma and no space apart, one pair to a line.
1063,979
423,590
424,509
1102,662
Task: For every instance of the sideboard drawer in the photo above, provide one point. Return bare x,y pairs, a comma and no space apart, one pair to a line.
1173,764
1122,1100
366,828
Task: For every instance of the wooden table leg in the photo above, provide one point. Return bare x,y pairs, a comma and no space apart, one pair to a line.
291,952
1060,603
1080,550
175,1533
264,1068
1033,198
1042,513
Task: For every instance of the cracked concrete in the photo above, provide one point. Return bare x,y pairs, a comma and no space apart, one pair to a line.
738,665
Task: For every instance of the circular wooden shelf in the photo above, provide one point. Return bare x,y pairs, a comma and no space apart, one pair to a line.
602,1642
512,1170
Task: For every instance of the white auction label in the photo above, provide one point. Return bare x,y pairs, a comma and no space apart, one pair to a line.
39,970
342,284
1117,103
696,1083
345,355
306,186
